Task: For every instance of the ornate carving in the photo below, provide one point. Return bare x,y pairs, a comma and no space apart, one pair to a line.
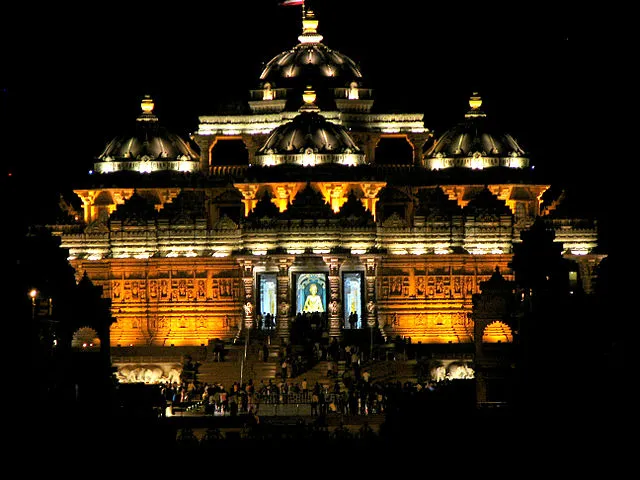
334,307
371,307
283,309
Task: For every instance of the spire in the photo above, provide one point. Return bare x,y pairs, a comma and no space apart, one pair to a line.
309,28
475,102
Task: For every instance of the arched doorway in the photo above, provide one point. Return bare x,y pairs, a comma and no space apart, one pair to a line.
229,150
394,150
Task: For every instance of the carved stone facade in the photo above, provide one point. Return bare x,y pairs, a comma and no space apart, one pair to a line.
405,245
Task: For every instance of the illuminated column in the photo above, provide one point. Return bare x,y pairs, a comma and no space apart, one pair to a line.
334,194
248,306
284,194
371,191
284,308
335,300
248,192
371,291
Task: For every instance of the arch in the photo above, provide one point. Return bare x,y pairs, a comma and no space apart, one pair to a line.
228,150
85,338
497,332
394,150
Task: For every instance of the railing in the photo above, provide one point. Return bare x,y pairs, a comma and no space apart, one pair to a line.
292,398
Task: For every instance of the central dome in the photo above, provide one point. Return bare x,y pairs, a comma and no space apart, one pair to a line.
311,63
309,139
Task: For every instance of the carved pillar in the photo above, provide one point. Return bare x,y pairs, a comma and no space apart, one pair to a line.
204,143
417,141
283,318
253,143
248,191
368,142
370,191
335,300
370,279
248,306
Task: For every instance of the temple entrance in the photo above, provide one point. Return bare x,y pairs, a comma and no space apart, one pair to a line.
311,293
352,295
267,300
310,300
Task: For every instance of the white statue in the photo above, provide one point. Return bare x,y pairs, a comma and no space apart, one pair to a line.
371,307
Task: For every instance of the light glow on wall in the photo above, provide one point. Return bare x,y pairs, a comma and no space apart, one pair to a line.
350,160
477,162
308,159
268,160
145,167
579,250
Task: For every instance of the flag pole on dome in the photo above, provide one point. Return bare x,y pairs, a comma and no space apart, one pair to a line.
288,3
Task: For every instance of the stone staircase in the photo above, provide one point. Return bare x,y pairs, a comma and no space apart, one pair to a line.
436,334
233,369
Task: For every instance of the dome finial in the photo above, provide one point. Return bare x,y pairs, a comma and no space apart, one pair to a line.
147,106
309,97
475,102
309,28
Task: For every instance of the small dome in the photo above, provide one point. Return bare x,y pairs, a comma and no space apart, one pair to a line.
475,143
309,139
311,61
148,147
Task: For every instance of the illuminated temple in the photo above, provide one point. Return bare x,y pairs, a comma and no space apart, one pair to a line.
192,245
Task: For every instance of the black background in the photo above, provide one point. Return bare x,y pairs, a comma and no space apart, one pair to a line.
74,76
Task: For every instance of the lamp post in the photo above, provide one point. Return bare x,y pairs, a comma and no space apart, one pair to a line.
33,294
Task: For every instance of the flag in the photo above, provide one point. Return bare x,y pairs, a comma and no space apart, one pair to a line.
287,3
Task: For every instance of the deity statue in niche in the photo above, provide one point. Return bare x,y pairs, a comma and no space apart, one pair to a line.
371,307
313,302
182,288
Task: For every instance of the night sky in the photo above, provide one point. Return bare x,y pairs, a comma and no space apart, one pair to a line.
74,78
